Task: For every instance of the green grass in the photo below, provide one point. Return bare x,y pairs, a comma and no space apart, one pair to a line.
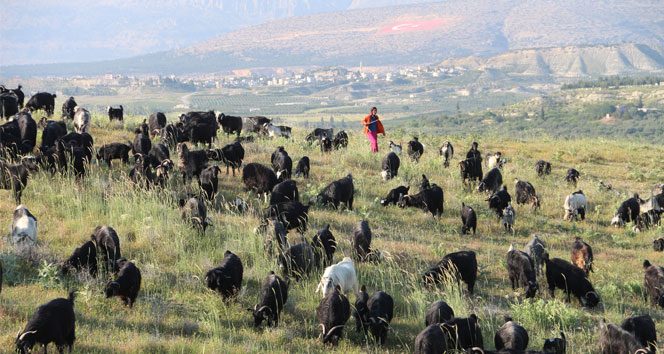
175,312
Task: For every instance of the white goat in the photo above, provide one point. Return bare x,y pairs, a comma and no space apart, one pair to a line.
24,228
342,274
575,204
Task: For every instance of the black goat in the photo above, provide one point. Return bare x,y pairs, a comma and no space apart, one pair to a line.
274,294
333,312
209,181
337,192
431,200
297,261
293,214
259,178
53,321
84,257
394,195
324,245
126,285
284,191
114,151
511,335
115,113
415,149
468,218
361,241
302,168
438,312
226,279
108,245
461,265
191,162
572,280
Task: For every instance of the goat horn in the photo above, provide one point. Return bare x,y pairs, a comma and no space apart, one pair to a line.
24,333
264,307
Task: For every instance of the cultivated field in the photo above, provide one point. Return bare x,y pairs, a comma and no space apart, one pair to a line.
175,312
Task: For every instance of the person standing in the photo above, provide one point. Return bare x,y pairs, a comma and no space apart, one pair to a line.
373,126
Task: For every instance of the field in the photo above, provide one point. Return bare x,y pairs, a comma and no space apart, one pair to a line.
175,312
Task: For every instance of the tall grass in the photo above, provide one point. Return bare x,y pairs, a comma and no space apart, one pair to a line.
175,312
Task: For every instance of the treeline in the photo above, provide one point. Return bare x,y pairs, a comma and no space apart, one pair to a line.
615,81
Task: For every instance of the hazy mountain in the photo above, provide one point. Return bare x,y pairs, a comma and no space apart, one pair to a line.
48,31
401,35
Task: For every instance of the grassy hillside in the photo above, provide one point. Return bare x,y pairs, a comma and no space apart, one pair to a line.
176,313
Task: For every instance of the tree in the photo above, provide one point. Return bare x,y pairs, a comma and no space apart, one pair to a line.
542,113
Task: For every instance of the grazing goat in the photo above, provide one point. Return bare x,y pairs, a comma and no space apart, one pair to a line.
84,257
511,335
613,339
340,140
499,200
284,191
432,340
324,245
521,270
628,211
333,312
297,261
431,200
259,178
126,285
643,329
24,228
572,280
460,265
108,245
226,279
337,192
209,181
389,166
438,312
653,283
195,212
575,204
191,162
274,294
302,167
361,241
293,214
394,195
555,345
463,333
524,192
53,321
572,176
340,275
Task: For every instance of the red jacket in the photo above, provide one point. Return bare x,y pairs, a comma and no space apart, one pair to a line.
379,125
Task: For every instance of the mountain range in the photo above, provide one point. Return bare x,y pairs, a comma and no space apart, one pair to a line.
384,32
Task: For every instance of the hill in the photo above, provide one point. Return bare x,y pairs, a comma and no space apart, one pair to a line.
399,35
175,312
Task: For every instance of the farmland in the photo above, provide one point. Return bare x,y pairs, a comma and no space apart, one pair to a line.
176,313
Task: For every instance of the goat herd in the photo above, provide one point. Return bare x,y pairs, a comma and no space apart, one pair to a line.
61,151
